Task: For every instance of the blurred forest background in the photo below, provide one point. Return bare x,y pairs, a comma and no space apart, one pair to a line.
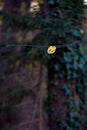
40,91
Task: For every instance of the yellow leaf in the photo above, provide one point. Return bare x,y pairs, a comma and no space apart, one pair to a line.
51,50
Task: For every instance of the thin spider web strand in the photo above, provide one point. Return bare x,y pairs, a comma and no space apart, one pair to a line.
2,49
22,53
45,46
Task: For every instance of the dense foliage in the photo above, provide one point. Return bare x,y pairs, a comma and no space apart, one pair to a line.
61,23
67,64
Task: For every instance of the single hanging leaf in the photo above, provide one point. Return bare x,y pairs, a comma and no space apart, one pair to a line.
51,50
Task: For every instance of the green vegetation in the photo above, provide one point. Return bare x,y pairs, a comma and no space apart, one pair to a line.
68,64
63,26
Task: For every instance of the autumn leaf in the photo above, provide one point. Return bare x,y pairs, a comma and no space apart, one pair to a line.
51,50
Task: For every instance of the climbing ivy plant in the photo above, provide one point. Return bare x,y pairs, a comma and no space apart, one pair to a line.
67,64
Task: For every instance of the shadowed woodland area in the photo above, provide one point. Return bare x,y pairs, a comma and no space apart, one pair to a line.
39,91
